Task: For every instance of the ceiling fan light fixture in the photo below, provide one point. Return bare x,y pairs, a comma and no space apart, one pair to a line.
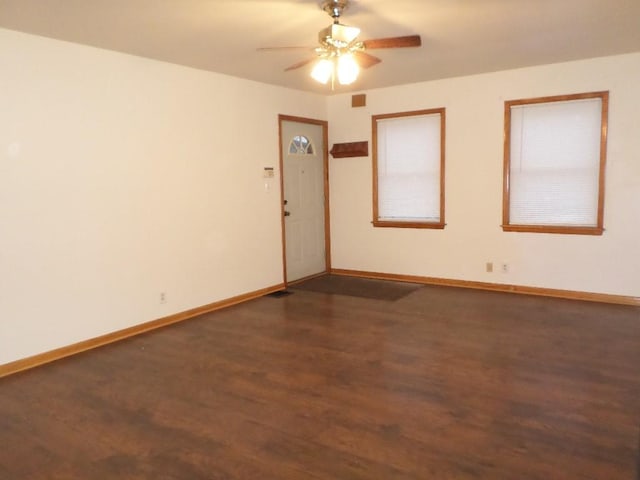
322,71
340,55
348,69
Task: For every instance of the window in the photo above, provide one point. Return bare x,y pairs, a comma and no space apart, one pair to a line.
300,145
554,160
408,169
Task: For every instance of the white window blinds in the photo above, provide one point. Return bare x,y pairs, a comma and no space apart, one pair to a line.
409,168
554,163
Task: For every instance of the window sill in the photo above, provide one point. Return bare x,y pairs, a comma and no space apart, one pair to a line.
391,224
560,229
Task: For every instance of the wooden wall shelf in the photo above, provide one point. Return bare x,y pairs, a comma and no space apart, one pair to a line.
353,149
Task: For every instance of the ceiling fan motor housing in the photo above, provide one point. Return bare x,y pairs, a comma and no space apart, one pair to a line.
338,35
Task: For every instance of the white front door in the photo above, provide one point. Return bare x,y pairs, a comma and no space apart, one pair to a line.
304,198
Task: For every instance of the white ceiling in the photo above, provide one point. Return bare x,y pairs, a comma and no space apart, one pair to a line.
459,37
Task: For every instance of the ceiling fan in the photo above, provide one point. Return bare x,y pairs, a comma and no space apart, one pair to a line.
340,53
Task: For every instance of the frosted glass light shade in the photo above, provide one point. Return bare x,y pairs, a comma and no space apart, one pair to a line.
348,69
322,71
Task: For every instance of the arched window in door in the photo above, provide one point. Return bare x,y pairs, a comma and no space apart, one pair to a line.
300,145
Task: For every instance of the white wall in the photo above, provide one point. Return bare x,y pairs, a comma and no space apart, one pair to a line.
121,178
474,106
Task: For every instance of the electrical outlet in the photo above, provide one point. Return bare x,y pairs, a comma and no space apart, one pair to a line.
163,297
489,267
505,268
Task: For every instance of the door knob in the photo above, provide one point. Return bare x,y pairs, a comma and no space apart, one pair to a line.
286,214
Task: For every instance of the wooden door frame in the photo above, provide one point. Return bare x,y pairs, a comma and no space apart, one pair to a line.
325,163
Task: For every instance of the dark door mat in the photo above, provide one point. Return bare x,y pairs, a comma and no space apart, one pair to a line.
358,287
279,293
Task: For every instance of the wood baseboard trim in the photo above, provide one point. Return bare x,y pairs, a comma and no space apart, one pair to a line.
62,352
495,287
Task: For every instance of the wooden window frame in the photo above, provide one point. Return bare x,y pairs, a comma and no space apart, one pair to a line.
374,128
598,229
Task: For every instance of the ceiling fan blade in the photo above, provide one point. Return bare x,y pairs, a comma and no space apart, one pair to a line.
300,64
393,42
364,60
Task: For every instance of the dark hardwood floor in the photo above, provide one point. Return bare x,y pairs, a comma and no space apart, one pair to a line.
441,384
